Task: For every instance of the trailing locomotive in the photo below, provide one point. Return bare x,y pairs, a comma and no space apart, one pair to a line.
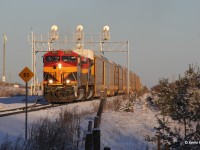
83,74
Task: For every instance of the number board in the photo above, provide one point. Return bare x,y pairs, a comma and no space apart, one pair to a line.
26,74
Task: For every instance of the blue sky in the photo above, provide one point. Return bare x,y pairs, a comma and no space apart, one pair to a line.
164,35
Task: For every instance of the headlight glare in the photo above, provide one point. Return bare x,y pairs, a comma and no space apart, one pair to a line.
68,81
59,66
50,81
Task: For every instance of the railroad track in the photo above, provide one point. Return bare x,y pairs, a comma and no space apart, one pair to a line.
34,107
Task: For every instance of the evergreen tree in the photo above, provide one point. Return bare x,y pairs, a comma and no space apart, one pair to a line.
164,97
180,101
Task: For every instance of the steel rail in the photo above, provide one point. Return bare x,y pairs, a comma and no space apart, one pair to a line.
30,109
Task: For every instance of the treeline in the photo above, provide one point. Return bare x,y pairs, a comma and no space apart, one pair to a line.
8,89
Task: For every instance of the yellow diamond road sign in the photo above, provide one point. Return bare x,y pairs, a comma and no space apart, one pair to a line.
26,74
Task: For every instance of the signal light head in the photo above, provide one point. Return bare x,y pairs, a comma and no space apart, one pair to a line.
106,28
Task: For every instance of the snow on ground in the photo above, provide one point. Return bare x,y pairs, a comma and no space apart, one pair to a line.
15,102
14,125
127,130
119,130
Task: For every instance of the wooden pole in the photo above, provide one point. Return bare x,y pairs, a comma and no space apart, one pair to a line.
100,110
89,141
96,139
96,122
90,126
105,98
166,146
158,142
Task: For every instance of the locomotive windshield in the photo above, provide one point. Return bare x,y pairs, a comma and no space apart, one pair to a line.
69,58
52,58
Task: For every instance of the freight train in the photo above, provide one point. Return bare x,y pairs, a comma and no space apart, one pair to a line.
81,74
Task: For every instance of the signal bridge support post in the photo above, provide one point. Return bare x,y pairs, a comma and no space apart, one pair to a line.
39,43
128,86
33,90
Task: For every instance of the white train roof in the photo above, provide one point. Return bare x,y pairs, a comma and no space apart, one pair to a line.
92,54
89,53
85,53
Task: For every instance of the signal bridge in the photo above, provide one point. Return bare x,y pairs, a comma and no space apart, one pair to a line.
53,41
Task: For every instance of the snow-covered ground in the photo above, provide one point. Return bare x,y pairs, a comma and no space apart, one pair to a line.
119,130
125,131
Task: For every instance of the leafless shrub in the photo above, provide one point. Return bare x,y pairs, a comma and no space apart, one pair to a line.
71,120
18,143
133,97
6,144
114,104
59,134
127,107
125,97
95,106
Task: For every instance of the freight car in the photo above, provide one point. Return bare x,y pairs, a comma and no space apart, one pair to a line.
82,74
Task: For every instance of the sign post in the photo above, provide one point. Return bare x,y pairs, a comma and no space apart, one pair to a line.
26,74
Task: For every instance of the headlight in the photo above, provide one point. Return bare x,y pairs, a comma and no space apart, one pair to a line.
59,66
50,81
68,81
